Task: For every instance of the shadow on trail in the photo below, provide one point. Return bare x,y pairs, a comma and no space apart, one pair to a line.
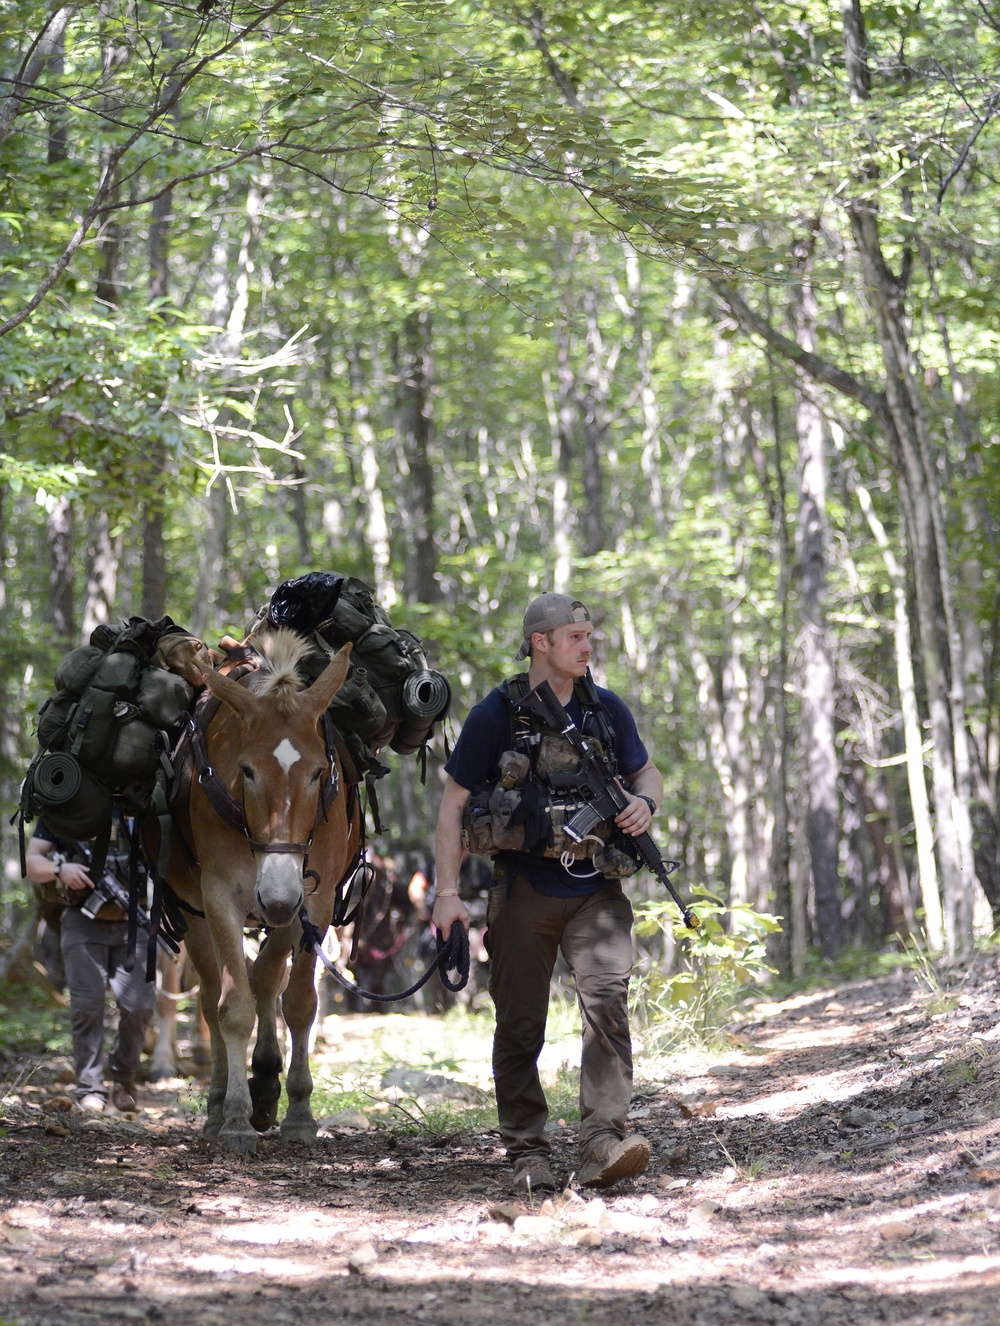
404,1292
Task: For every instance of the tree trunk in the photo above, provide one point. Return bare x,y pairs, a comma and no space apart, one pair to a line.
154,558
592,410
45,47
110,237
213,536
734,699
415,463
912,738
62,581
818,744
874,806
944,672
299,513
377,524
102,580
652,423
726,743
780,863
154,562
562,520
57,145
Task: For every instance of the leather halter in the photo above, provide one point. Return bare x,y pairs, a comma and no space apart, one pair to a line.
232,811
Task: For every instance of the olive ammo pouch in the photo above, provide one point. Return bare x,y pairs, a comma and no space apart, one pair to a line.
502,819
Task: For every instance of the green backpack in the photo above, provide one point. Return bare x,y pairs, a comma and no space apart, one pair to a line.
105,734
391,696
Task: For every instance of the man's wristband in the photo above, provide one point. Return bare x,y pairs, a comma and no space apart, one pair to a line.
446,893
57,864
649,802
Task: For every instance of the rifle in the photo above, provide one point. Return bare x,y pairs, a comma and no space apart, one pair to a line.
108,889
598,787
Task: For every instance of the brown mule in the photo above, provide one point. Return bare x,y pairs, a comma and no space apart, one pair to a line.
285,839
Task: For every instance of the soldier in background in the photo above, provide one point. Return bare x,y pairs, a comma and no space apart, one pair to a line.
94,950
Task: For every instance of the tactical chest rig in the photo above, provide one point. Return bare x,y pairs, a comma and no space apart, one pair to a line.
526,809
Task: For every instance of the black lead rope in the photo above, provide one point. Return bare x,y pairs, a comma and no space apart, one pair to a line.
452,956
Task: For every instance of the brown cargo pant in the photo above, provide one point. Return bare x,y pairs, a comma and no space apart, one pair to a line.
527,930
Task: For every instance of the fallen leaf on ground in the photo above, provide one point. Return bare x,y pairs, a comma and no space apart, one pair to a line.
16,1237
896,1231
703,1212
587,1237
704,1109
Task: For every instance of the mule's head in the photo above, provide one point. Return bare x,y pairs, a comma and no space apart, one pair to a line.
283,765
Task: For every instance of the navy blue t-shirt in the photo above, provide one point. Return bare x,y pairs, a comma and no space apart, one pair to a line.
475,761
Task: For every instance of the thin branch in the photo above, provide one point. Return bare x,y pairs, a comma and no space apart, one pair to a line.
991,107
107,183
815,365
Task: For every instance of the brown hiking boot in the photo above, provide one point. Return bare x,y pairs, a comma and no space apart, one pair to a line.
532,1174
611,1162
123,1097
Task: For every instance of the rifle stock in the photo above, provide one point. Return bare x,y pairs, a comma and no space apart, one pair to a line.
598,787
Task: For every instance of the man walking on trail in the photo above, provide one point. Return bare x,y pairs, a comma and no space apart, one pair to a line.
549,894
94,949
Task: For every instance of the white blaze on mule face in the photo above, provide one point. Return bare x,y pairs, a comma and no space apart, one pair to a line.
286,754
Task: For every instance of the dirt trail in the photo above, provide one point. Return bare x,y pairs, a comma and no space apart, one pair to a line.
840,1163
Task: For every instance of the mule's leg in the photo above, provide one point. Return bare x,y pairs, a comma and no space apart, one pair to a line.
201,1047
163,1063
269,973
202,954
235,1025
298,1006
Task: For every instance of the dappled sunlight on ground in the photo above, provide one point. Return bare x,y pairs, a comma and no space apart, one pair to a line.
837,1162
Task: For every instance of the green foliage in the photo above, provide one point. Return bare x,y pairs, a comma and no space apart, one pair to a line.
32,1024
718,963
530,204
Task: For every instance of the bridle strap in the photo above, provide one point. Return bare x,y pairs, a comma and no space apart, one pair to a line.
232,811
220,798
278,847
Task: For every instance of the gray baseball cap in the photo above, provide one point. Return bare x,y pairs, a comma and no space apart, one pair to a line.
546,613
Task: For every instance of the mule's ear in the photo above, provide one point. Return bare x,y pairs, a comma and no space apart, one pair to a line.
231,692
329,681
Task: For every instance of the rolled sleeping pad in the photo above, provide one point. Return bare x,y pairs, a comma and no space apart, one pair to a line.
426,695
73,803
56,778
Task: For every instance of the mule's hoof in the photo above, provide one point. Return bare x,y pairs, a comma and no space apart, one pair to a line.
240,1143
299,1132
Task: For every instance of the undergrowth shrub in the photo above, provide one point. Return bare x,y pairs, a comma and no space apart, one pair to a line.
715,965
